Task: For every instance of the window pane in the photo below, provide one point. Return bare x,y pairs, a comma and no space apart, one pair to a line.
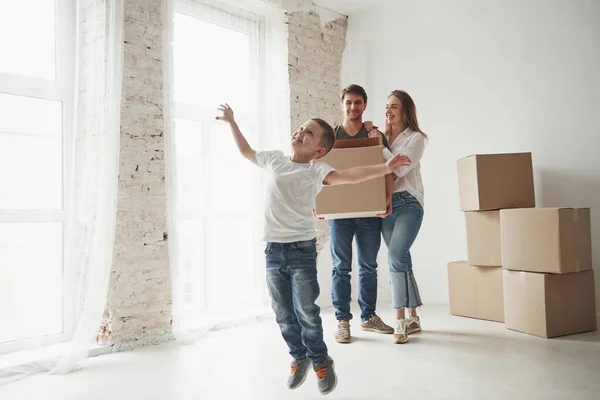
191,262
30,153
212,176
212,64
232,176
188,144
31,172
188,138
229,262
27,38
20,114
30,280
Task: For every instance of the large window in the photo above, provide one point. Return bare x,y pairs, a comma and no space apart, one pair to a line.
215,60
36,84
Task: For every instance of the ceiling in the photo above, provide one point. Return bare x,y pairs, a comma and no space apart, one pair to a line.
349,7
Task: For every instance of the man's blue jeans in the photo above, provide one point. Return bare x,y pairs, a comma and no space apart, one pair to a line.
368,240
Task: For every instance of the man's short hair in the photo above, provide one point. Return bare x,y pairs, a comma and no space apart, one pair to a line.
354,89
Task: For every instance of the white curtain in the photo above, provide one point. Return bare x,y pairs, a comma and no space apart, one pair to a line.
92,179
220,51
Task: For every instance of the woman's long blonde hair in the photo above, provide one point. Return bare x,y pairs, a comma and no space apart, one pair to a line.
409,111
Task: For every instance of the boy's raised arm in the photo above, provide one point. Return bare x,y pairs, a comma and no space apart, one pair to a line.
361,174
248,152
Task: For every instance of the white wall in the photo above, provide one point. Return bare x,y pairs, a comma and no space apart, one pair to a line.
487,76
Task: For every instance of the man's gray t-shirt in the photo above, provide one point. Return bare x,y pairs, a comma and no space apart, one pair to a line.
340,134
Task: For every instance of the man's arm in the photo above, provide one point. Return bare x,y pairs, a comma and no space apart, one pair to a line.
242,144
365,173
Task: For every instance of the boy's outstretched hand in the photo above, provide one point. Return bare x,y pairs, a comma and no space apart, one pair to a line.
397,162
227,113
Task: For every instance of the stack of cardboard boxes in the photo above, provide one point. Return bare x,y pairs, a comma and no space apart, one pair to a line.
487,183
548,277
528,267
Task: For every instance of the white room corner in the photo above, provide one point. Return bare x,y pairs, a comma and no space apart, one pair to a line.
468,87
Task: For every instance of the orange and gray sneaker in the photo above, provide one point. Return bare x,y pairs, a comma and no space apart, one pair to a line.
400,335
375,324
326,377
298,372
413,325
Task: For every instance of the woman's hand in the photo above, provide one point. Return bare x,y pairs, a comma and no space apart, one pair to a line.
317,218
374,133
388,210
372,129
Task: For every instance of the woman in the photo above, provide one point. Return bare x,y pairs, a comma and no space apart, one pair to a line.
401,227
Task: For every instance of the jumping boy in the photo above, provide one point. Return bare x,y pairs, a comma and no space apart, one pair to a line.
291,255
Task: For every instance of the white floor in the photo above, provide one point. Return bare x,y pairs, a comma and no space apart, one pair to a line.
454,358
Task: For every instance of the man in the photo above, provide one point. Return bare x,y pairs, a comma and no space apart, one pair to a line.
367,232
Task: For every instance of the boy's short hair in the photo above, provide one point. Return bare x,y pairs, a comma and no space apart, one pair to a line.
354,89
328,135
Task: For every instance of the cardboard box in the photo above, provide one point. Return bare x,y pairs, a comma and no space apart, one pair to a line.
549,305
552,240
359,200
476,292
496,181
483,238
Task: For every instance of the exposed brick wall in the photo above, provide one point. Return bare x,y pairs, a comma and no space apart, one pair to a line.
315,65
140,287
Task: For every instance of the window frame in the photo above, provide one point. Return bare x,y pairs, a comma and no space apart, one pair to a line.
62,89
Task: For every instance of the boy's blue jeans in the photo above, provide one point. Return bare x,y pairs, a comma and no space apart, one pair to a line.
368,240
293,286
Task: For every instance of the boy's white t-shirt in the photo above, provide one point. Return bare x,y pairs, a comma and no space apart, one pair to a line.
291,192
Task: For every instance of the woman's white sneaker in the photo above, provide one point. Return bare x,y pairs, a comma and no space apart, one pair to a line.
413,325
400,335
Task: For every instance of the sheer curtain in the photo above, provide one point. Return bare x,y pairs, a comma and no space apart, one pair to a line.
91,179
95,161
219,51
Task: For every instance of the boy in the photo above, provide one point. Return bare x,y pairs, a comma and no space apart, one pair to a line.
291,254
